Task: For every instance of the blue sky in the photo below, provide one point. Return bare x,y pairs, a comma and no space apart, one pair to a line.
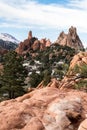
46,18
53,1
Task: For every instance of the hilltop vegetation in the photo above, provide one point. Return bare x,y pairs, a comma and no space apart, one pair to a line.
53,62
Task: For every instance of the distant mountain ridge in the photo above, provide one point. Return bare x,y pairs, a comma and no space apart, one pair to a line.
8,42
9,38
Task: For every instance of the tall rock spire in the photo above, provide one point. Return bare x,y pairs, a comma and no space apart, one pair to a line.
71,39
30,35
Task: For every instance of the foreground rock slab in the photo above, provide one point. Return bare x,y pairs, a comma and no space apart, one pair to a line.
83,125
44,109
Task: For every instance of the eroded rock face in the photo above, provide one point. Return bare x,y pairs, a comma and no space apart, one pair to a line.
48,43
71,78
44,109
79,59
32,43
44,43
36,45
71,39
26,46
30,35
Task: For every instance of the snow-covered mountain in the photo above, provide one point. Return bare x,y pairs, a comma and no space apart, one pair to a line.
8,42
9,38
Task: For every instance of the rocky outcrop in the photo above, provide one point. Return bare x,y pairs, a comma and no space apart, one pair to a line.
71,77
79,59
32,43
53,84
44,109
30,35
36,45
45,43
26,46
71,39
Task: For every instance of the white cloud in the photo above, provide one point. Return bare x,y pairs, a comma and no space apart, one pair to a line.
80,4
31,13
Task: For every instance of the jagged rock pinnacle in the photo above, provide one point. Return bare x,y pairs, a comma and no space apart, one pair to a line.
30,35
71,39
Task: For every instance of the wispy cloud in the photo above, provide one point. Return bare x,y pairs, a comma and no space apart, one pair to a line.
26,13
80,4
32,14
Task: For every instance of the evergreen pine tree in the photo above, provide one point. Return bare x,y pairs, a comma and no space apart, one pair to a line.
13,75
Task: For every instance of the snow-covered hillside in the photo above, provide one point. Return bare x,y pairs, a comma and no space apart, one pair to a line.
8,37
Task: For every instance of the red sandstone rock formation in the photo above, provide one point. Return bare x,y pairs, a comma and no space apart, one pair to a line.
30,35
45,43
36,45
44,109
48,43
24,47
32,43
71,39
42,44
54,84
79,59
70,79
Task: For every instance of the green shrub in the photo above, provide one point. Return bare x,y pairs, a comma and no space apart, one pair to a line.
47,77
81,85
35,79
12,79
